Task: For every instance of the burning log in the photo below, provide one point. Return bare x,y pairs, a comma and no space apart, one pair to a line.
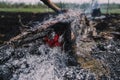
42,29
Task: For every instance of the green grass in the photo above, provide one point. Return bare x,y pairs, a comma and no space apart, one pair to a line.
36,10
117,11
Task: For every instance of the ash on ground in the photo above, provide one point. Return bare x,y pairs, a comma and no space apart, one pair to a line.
93,54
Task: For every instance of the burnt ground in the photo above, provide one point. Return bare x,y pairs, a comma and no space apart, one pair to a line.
11,22
100,54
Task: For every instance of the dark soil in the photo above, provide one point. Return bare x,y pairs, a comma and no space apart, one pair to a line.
11,22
